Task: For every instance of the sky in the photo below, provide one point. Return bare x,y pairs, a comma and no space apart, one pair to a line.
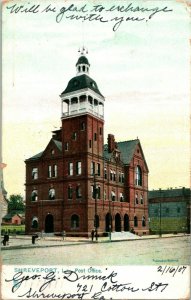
142,68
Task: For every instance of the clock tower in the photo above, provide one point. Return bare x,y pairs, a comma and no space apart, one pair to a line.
82,118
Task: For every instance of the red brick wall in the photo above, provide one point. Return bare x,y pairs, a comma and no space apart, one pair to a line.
63,208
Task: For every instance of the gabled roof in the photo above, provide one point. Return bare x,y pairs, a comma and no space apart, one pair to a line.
127,149
39,155
36,156
58,144
81,82
10,215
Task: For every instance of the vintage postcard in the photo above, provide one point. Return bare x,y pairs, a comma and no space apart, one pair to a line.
95,191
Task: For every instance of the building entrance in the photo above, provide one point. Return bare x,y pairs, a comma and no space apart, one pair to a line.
117,222
126,222
108,221
49,223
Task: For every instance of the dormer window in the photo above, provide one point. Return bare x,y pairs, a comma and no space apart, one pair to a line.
93,84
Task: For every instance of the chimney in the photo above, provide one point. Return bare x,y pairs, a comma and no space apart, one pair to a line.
56,135
111,143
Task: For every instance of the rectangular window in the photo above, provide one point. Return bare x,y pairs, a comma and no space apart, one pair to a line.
122,177
98,192
51,194
78,168
98,169
83,126
95,136
105,173
74,136
111,175
90,143
66,146
92,168
49,171
114,176
34,195
100,130
70,168
78,192
35,173
105,195
55,171
70,192
92,191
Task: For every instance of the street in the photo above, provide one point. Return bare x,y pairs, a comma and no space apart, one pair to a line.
171,251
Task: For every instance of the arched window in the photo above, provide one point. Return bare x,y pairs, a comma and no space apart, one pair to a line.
34,222
84,68
34,195
141,198
135,221
51,194
112,196
121,197
35,173
143,221
75,221
138,176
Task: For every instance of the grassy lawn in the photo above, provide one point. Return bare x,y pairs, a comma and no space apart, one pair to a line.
13,229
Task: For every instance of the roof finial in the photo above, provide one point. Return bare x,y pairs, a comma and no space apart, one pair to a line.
83,50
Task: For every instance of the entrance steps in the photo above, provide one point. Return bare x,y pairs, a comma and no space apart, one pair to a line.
123,235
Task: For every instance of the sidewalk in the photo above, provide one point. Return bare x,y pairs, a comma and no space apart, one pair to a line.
25,242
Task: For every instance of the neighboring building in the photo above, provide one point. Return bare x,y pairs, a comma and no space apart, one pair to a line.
63,180
169,210
3,202
13,218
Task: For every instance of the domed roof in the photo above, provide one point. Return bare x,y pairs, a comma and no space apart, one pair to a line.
82,60
81,82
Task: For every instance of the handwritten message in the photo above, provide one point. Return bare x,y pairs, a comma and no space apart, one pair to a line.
114,14
90,282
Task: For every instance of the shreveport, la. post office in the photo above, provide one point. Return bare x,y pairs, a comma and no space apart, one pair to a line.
78,183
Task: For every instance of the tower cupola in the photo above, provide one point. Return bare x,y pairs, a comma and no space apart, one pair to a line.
82,65
82,95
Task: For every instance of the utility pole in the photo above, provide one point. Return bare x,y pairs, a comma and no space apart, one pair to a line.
160,215
95,197
110,219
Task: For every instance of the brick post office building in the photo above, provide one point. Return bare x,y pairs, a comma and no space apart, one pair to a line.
77,182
